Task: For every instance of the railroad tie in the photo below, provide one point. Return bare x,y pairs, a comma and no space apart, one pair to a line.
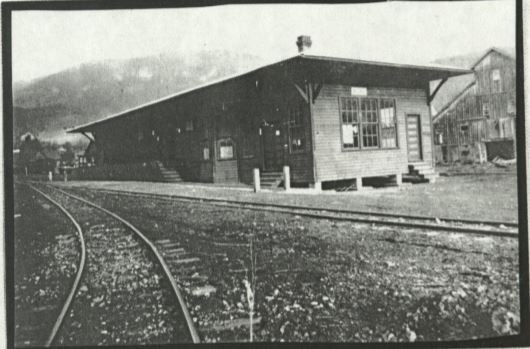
174,250
185,260
169,244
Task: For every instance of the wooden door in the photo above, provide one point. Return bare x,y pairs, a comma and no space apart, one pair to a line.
272,148
414,138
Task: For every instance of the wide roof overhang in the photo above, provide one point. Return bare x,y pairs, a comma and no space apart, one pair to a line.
319,69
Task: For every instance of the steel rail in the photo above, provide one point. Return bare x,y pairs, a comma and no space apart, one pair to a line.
331,210
191,326
67,304
290,209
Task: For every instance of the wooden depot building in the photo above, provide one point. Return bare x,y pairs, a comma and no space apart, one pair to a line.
330,120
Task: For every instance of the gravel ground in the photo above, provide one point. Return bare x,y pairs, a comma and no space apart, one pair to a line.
123,297
481,197
318,280
46,260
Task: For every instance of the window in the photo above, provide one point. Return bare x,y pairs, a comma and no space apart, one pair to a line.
496,80
297,139
387,112
485,109
369,123
189,125
226,149
205,150
349,110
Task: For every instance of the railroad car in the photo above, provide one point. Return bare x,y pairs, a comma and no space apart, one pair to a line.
329,119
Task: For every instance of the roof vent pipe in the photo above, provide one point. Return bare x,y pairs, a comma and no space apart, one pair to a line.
304,43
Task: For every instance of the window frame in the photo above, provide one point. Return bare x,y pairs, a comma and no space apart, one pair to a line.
369,101
298,127
205,144
396,146
218,145
360,123
486,109
189,125
496,83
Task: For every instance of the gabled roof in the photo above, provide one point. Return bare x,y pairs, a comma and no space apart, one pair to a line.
315,65
455,87
500,51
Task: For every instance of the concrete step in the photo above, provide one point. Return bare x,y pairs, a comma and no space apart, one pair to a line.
172,177
427,171
271,176
421,166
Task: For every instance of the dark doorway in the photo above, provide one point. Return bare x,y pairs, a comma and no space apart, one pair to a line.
414,138
272,147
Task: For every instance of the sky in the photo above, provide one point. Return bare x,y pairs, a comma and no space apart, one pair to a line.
45,42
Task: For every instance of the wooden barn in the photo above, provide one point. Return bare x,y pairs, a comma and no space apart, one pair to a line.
480,119
328,119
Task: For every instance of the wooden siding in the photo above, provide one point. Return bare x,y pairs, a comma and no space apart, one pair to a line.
465,121
334,163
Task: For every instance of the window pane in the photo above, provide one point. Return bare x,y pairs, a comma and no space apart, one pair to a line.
227,152
388,123
296,128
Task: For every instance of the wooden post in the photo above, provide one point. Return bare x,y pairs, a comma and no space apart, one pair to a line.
286,178
317,186
257,185
359,183
50,176
399,179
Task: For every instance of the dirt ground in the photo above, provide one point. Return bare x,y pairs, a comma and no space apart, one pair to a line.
491,195
318,280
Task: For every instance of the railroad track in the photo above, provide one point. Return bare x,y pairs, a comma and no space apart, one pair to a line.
125,294
465,226
40,294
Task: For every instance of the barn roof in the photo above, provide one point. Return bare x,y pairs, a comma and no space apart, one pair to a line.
504,52
456,87
325,69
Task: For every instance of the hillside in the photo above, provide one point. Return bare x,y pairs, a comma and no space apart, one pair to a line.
48,105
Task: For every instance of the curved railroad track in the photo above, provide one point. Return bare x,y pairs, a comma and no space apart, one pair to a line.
465,226
102,289
80,269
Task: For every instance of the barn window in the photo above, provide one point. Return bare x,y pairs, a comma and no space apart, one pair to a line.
297,139
349,111
369,123
496,80
189,125
485,109
387,113
226,149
